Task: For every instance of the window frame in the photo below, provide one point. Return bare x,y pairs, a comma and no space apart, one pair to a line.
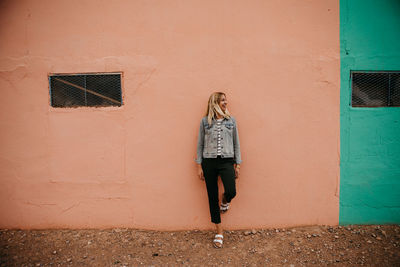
120,102
388,92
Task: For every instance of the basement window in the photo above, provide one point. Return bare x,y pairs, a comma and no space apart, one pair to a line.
87,90
375,89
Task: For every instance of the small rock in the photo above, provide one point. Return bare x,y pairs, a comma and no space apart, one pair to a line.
336,236
369,241
247,233
253,231
378,238
252,250
373,235
383,233
55,252
69,260
276,230
293,230
308,236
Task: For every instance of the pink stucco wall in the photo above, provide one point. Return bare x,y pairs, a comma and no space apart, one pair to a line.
133,166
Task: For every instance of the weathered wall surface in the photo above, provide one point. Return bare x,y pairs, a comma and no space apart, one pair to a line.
370,144
133,166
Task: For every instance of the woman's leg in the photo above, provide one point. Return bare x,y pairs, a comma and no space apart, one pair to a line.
227,173
211,178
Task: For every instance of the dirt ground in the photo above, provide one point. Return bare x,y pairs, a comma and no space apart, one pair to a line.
376,245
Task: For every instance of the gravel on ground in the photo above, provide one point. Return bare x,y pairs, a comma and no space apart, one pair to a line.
352,245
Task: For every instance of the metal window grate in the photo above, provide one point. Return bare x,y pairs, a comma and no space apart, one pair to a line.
375,89
92,90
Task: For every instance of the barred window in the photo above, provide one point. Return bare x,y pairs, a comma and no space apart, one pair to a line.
375,89
91,90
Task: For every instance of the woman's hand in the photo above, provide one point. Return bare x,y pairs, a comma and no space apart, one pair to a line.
237,170
200,172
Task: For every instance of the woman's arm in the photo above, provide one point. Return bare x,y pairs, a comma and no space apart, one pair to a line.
236,144
200,143
200,146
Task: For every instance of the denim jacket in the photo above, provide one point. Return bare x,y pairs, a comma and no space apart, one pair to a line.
207,140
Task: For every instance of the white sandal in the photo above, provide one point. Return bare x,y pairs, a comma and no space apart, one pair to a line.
218,239
224,207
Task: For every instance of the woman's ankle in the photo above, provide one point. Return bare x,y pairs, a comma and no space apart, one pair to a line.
224,199
219,229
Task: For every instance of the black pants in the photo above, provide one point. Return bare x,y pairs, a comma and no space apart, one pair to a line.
212,168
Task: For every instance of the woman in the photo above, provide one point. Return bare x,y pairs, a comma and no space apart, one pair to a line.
218,154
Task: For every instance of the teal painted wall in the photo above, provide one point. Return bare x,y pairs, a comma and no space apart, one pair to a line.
370,137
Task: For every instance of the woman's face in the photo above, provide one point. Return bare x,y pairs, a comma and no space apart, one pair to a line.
223,103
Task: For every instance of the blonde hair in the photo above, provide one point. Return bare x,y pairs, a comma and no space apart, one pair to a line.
213,107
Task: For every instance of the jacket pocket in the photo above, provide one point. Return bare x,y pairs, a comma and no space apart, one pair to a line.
229,126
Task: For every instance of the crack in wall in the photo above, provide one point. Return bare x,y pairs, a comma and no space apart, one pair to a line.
71,207
38,204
